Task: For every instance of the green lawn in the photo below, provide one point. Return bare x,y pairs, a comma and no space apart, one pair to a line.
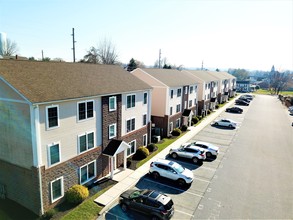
268,92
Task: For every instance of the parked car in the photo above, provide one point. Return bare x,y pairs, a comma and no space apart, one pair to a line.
211,150
248,96
241,102
226,123
171,170
149,202
244,99
234,110
190,152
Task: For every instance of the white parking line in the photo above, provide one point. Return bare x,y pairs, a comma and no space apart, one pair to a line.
207,181
207,168
116,216
184,213
174,188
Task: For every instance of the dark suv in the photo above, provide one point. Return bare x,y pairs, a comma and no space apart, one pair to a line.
149,202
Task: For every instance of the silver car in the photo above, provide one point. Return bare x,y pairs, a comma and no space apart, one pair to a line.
211,150
171,170
226,123
190,152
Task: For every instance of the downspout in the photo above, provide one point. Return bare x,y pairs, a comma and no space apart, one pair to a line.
37,155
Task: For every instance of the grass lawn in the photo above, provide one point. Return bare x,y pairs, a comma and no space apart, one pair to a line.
268,92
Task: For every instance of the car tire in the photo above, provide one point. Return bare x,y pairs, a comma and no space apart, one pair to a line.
181,182
216,124
174,155
155,175
124,207
195,160
209,154
154,217
230,126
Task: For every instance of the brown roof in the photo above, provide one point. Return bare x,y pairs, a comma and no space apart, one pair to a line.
52,81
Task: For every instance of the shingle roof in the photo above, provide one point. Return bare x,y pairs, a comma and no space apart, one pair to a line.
203,75
52,81
172,78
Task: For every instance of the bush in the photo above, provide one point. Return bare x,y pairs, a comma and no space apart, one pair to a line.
49,214
76,194
151,147
195,119
209,111
141,153
176,132
183,128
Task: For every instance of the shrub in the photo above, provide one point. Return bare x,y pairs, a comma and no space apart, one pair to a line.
195,119
141,153
151,147
209,111
183,128
217,106
176,132
49,214
76,194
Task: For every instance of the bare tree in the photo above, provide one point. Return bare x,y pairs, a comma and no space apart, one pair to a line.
107,52
10,50
91,56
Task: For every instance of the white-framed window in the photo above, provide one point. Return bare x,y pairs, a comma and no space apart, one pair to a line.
130,101
144,119
186,90
190,103
112,103
171,127
178,108
86,141
57,190
145,140
171,110
130,125
54,155
145,98
132,148
52,116
178,123
178,92
85,110
194,101
185,104
87,172
190,89
208,96
172,93
112,130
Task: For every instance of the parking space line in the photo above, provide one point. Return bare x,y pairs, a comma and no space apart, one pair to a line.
116,216
202,179
184,213
181,190
207,168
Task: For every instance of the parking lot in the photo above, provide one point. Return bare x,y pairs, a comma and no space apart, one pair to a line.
187,200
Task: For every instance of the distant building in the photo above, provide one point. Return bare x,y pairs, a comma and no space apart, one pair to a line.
243,86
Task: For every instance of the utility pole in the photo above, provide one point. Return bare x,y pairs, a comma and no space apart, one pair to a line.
73,42
42,55
201,65
160,59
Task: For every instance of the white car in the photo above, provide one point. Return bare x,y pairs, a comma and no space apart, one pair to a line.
226,123
188,151
171,170
211,150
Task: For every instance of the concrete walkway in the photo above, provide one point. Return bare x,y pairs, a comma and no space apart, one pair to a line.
128,178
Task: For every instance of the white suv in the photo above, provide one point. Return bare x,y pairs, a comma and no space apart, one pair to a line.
171,170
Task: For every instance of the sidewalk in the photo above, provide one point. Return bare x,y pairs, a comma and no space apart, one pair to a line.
128,178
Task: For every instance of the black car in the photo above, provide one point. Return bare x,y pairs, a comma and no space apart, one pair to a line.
241,102
149,202
234,110
244,99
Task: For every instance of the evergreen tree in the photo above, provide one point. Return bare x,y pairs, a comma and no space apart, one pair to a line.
132,65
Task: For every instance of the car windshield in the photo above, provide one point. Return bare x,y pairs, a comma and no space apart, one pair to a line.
177,167
135,194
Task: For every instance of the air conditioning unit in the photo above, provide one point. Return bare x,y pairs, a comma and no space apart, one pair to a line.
156,139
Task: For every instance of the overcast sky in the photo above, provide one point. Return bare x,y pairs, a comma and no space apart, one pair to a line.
249,34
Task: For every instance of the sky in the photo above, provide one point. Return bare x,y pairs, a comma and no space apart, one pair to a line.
248,34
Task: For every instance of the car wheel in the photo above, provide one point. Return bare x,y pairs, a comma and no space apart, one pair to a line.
209,154
155,217
195,160
230,126
174,155
181,182
155,175
124,207
216,124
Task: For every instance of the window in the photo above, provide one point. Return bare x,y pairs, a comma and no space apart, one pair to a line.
112,103
145,140
57,190
185,104
130,125
172,94
190,103
178,123
85,110
194,101
52,117
130,101
145,98
208,96
171,127
144,119
86,142
191,89
177,108
112,131
171,110
186,90
132,149
87,172
178,92
54,154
